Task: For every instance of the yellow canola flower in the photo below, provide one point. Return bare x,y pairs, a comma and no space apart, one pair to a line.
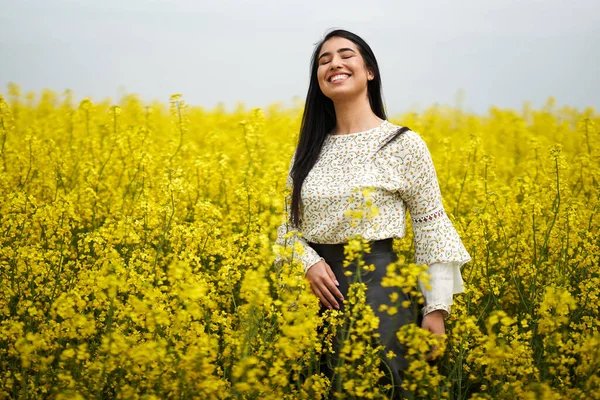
138,249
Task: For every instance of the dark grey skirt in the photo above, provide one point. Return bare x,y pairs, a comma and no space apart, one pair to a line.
381,255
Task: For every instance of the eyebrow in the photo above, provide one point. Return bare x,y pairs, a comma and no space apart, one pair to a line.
339,51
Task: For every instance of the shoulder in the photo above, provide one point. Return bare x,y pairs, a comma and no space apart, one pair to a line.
409,143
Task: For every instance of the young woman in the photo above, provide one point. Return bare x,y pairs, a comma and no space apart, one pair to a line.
346,143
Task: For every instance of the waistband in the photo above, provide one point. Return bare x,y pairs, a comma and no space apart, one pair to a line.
336,251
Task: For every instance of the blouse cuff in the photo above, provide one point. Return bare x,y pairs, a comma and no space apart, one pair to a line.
445,308
306,254
445,280
309,256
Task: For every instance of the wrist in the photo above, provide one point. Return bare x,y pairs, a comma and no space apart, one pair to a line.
313,264
442,309
435,314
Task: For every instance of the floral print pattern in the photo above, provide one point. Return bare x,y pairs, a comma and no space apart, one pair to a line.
402,177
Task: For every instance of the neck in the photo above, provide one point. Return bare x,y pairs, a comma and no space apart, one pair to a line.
354,116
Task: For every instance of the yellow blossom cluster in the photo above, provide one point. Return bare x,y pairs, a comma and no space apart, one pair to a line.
137,257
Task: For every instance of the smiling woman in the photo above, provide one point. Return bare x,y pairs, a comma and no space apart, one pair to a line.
347,146
340,83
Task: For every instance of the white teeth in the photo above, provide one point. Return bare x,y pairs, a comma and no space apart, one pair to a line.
338,77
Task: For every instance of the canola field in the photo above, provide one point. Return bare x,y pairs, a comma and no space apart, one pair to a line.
138,257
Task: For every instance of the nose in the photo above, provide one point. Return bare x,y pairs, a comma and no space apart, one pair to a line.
335,63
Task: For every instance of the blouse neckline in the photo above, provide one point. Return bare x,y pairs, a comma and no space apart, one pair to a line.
355,134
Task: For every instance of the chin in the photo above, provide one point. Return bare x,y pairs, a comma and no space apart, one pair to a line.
341,94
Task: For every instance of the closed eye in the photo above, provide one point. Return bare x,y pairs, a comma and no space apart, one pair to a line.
327,62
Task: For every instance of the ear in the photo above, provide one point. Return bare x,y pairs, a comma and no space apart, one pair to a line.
370,75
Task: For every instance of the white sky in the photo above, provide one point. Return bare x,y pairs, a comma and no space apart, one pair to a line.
498,52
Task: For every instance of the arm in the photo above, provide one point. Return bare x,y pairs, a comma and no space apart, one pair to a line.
436,241
321,278
289,236
443,286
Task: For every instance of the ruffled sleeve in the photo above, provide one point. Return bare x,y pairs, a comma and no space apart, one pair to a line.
407,168
445,281
435,238
289,236
412,174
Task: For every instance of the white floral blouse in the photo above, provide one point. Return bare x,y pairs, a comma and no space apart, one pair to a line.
401,175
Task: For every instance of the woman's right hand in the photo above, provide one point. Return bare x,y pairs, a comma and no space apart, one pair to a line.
324,285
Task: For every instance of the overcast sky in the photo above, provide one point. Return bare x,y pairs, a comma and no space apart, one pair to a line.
498,52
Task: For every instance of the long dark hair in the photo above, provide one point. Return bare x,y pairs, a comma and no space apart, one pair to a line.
319,118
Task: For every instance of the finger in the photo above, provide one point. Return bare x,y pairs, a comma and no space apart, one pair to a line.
336,292
333,290
322,298
325,289
331,274
316,291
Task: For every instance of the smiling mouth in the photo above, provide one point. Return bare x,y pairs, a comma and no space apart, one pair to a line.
338,78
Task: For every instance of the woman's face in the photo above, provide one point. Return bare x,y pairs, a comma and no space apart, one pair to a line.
341,70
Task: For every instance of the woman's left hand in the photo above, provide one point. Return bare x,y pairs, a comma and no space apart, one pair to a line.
434,323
